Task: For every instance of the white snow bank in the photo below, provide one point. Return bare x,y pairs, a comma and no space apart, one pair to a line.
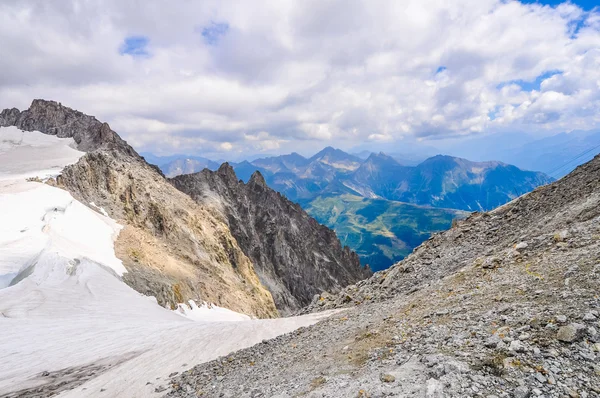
209,313
37,217
100,209
25,154
67,307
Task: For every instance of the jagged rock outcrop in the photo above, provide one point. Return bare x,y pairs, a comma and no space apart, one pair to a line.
173,248
504,304
294,256
50,117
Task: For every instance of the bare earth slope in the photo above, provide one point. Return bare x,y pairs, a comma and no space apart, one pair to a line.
294,256
504,304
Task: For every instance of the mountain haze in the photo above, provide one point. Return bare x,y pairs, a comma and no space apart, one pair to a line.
329,186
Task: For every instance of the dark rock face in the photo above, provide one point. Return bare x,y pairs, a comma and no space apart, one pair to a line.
50,117
294,256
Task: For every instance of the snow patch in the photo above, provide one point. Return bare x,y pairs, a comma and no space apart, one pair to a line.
208,313
39,218
30,154
362,191
100,209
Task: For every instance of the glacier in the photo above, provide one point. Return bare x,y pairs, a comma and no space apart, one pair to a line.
65,314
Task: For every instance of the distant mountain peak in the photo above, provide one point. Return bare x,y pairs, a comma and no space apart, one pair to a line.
257,179
337,159
380,156
329,151
227,173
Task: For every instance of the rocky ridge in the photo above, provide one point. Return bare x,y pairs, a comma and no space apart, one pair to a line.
177,249
294,256
173,248
50,117
505,304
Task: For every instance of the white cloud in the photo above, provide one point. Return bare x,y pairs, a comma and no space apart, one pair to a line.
288,76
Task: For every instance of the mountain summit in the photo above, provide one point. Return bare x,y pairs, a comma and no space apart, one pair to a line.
50,117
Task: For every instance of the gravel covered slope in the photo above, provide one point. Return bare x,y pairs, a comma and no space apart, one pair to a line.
505,304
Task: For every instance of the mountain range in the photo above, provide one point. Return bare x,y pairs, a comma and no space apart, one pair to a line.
555,155
379,207
504,304
118,281
439,181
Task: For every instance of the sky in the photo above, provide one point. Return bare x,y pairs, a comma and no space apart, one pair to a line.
230,79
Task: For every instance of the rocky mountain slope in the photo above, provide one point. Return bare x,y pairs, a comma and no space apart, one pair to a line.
504,304
294,256
177,249
53,118
172,248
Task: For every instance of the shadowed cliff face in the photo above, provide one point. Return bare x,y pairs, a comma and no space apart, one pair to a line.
294,256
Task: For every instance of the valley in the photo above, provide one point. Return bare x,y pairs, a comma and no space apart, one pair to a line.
382,232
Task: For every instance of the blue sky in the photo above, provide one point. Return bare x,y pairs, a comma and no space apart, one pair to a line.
135,45
584,4
530,85
213,32
277,76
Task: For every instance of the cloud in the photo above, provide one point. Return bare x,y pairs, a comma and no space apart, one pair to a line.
226,78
